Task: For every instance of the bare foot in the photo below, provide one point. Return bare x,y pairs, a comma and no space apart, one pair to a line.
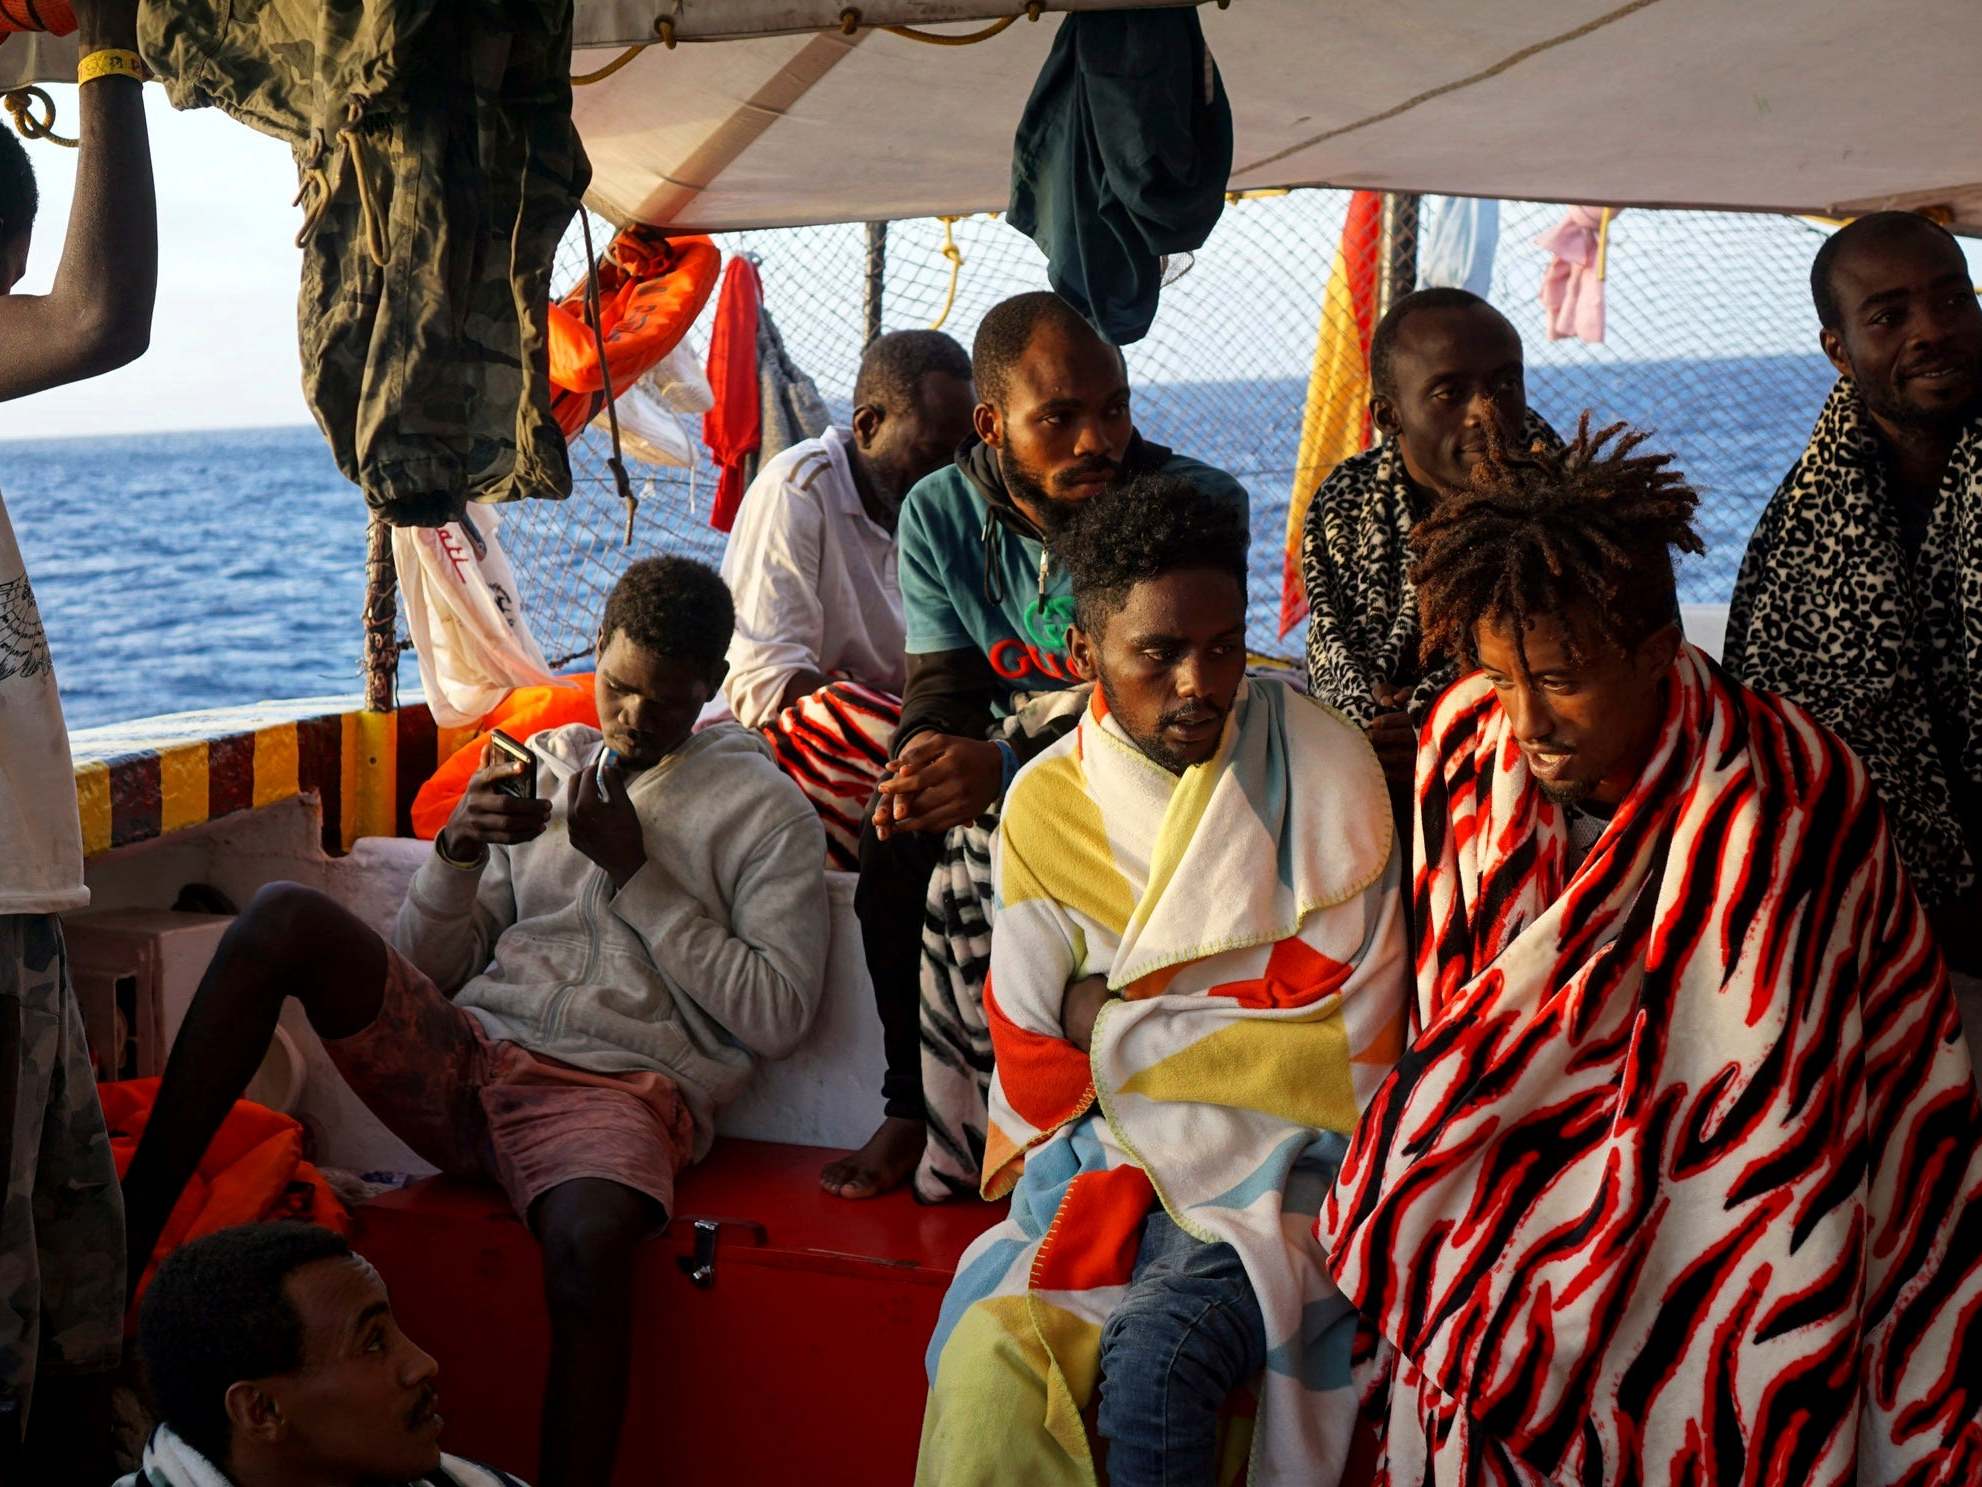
883,1164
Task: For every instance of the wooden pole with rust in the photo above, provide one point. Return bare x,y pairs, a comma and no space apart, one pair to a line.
381,620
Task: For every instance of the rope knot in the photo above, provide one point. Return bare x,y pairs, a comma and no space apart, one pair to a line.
19,104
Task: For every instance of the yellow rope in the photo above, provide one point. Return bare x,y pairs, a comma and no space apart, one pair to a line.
586,79
18,102
663,33
951,251
970,38
850,23
1603,241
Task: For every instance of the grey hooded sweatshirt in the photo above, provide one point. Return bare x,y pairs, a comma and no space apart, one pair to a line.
711,957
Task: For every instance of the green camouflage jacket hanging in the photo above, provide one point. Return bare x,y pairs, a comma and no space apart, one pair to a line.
439,168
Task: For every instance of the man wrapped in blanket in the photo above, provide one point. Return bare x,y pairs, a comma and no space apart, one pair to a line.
1198,979
1679,1180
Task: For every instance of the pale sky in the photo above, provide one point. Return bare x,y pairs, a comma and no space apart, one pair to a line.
223,341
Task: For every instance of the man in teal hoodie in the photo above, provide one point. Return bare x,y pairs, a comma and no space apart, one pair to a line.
581,975
987,616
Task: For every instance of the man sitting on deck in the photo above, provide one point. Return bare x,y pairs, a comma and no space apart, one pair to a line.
816,664
576,982
1681,1178
1861,593
274,1359
1445,366
61,1226
987,619
1197,979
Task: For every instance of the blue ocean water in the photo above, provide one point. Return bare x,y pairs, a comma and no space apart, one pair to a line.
207,569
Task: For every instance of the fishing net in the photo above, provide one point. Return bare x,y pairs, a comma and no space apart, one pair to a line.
1710,341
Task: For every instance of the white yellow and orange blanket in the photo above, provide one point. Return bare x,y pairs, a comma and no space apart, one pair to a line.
1247,913
1679,1181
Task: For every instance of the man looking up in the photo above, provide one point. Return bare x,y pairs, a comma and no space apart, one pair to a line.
1861,593
1445,371
577,981
1197,978
1686,1142
275,1361
987,623
61,1224
817,665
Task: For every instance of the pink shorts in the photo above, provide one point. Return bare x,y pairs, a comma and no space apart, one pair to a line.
475,1107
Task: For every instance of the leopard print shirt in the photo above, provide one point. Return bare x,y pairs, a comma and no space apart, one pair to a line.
1829,612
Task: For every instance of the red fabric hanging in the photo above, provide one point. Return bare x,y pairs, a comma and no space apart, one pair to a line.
735,426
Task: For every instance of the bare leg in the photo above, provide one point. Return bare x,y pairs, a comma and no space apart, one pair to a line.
590,1229
292,941
886,1162
890,903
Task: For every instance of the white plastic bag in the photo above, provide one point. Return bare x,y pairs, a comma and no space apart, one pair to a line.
468,629
651,427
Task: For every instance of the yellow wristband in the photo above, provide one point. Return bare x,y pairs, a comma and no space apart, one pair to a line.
110,63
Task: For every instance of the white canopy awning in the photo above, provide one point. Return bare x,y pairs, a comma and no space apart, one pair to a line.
766,114
1827,106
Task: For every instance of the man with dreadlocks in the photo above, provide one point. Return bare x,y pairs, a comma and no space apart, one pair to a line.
1445,366
1681,1178
1861,592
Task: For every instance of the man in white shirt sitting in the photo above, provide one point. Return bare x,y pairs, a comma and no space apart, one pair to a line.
817,664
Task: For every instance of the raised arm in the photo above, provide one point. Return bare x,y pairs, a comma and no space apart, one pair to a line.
97,315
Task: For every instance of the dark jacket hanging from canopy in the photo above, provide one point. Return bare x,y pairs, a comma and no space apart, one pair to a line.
1122,158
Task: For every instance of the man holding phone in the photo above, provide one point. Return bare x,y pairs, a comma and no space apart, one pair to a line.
577,981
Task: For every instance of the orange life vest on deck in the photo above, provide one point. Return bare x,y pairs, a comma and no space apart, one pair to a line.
253,1170
651,288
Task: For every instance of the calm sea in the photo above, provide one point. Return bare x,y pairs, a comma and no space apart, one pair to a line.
200,570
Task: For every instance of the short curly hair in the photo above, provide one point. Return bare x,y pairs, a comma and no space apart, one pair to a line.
1149,525
1383,340
893,366
674,607
216,1313
1008,328
1874,227
20,198
1543,531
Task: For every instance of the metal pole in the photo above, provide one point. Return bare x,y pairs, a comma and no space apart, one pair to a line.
877,274
1397,273
381,620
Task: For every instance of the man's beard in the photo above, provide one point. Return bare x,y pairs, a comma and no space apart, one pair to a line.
1054,511
1891,404
1153,748
1566,792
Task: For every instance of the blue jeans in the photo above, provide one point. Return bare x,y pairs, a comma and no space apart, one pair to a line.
1186,1335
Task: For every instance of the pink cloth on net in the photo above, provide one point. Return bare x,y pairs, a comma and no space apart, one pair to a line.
1573,286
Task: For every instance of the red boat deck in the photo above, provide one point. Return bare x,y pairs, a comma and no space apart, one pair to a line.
746,1380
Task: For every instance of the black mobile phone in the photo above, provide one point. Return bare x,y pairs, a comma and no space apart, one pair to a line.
524,785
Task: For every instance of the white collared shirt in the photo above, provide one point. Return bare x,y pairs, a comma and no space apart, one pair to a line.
814,581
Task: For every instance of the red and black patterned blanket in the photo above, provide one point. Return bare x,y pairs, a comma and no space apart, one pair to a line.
1680,1180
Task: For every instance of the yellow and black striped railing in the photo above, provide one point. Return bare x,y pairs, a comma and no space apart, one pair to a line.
142,780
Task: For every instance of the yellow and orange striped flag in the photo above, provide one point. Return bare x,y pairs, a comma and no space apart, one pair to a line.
1336,422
